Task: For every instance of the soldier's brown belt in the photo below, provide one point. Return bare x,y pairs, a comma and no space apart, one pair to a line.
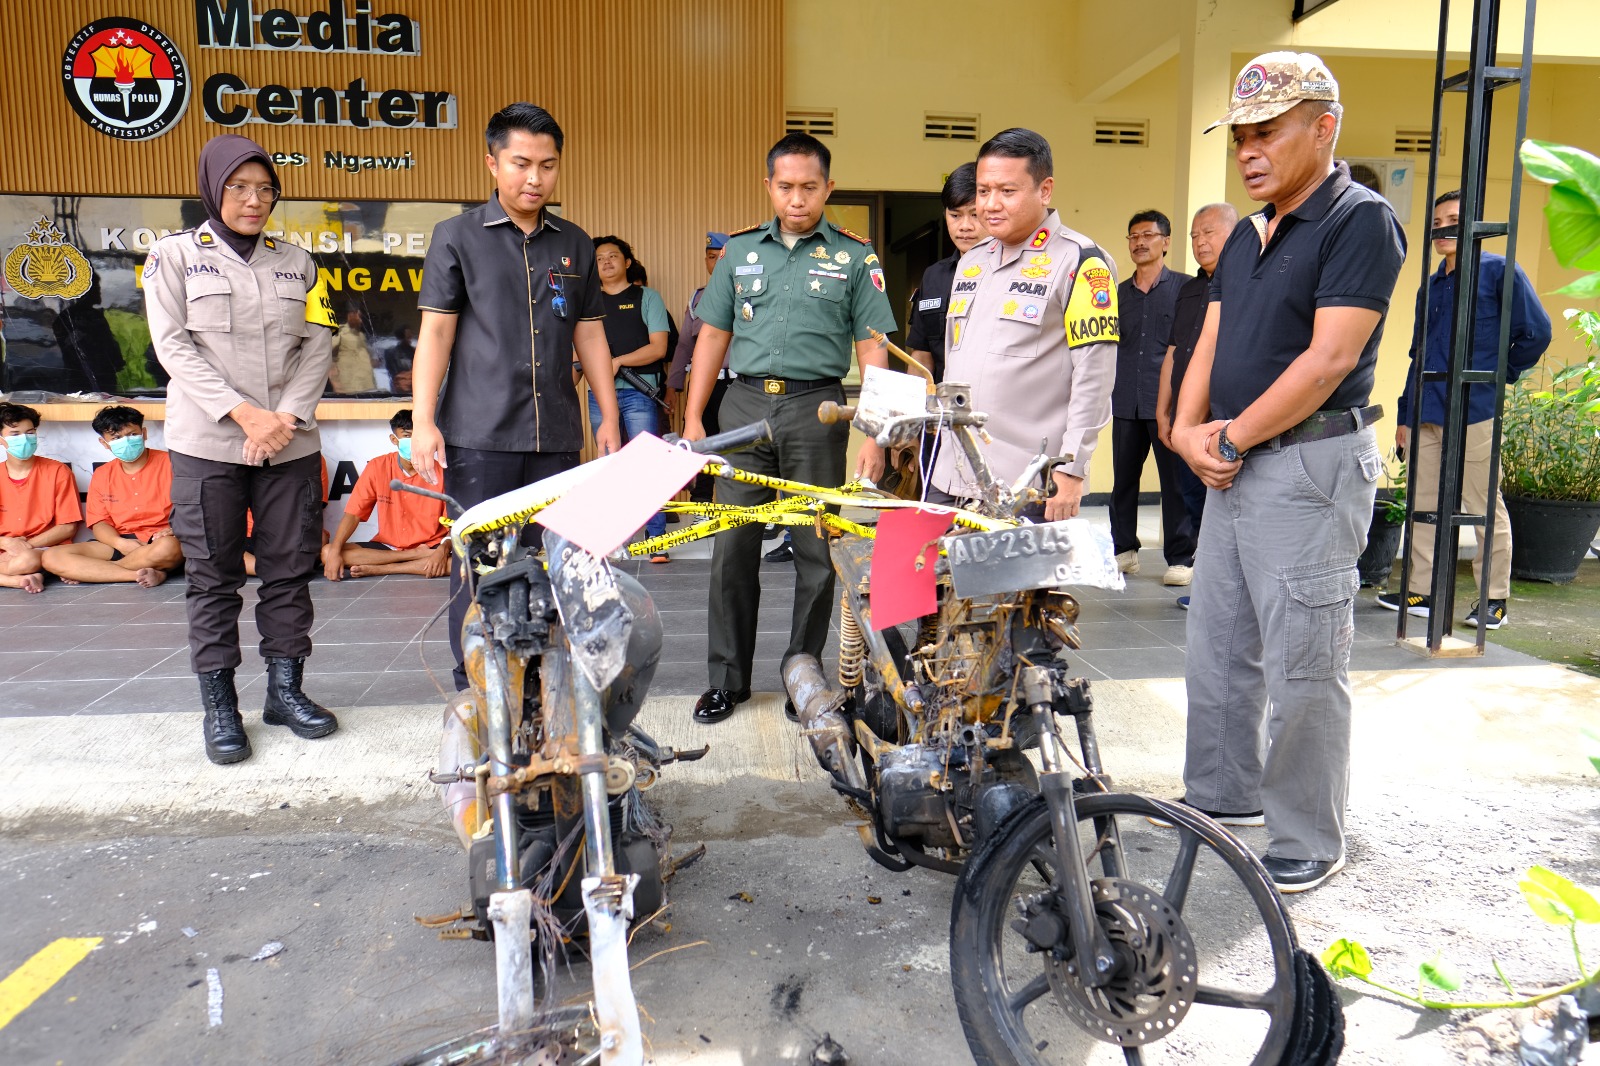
786,386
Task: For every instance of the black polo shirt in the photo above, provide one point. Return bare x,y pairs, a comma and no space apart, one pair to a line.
1146,320
1188,318
928,305
1341,248
510,387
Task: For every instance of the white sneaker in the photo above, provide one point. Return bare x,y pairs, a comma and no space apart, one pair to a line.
1127,562
1178,575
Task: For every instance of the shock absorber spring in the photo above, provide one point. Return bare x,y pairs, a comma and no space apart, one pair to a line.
852,646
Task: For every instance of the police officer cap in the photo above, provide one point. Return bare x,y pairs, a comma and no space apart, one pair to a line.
715,241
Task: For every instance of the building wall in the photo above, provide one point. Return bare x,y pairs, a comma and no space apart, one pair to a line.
1074,71
668,107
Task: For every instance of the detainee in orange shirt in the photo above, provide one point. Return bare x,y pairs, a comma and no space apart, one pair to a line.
38,501
129,511
410,539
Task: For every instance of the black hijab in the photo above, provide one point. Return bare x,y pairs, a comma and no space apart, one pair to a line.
220,157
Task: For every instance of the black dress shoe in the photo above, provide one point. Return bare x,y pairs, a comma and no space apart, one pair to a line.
790,711
287,705
1299,875
781,554
226,741
715,704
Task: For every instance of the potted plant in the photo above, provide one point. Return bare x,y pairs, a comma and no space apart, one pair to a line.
1550,446
1385,533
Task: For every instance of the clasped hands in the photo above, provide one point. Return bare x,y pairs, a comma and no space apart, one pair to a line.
1197,446
266,433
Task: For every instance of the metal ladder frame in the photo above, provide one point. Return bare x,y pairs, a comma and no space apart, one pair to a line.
1479,82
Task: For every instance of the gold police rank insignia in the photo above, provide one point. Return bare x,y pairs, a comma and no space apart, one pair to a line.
46,265
819,252
972,271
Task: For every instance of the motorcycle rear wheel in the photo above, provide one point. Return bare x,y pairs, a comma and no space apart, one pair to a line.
1201,933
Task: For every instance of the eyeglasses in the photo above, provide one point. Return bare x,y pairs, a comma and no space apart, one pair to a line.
265,193
558,302
1154,234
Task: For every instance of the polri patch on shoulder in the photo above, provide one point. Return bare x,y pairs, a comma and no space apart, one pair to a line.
151,262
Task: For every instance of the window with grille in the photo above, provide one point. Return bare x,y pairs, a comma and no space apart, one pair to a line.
1415,141
817,122
1131,132
937,126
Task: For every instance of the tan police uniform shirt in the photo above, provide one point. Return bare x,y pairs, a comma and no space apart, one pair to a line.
231,332
1033,330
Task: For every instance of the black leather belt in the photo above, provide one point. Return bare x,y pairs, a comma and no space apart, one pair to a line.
1324,425
787,386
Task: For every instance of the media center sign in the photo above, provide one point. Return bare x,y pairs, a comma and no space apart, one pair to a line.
127,80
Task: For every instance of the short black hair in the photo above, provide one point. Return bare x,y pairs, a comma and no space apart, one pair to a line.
529,118
801,144
1163,223
401,419
960,188
1447,197
1019,143
622,246
12,413
115,417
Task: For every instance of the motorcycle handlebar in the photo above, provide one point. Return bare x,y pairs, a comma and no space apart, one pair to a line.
829,413
449,501
732,441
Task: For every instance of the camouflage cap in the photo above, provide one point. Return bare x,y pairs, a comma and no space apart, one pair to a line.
1271,84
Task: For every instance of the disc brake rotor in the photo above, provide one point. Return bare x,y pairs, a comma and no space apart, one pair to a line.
1154,983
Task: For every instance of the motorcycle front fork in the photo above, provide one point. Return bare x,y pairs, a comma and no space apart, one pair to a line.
1092,953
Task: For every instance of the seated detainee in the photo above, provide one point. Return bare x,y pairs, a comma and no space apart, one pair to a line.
38,501
410,539
129,511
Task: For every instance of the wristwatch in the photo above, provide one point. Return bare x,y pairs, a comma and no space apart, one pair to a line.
1226,449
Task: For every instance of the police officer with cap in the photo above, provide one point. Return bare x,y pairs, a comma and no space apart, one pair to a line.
678,372
1273,416
786,303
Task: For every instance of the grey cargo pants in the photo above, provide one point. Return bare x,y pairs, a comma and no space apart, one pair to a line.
1271,619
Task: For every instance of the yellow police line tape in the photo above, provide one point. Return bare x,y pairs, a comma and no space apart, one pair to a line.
800,505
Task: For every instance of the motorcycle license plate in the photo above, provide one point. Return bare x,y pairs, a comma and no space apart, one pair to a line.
1030,557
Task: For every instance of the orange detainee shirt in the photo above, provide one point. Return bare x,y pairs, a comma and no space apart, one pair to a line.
404,520
136,505
46,498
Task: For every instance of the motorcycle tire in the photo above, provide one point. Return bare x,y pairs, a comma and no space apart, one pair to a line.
1022,1006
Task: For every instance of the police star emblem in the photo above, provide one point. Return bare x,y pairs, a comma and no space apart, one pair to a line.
816,286
1009,308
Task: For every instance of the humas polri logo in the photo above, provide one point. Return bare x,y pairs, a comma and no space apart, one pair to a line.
125,78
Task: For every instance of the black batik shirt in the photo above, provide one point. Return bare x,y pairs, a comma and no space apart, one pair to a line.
928,307
1188,319
510,386
1146,319
1341,248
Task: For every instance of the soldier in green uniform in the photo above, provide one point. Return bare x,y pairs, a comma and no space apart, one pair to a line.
785,304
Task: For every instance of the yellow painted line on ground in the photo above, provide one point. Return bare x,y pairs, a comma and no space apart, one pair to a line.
39,974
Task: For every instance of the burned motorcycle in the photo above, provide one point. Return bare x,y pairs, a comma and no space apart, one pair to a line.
544,774
1086,922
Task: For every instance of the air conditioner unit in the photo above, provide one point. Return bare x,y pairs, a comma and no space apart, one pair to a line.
1389,178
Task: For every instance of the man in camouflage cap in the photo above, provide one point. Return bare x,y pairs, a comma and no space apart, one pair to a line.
1274,418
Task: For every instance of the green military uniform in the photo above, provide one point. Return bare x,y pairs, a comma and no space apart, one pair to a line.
795,315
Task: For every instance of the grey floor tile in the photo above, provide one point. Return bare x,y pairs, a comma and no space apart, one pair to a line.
152,636
52,638
176,664
1115,635
335,691
1127,664
15,663
341,658
95,664
164,612
402,687
20,699
367,630
151,695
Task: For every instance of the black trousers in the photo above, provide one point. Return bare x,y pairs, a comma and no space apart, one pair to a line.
1132,440
472,476
210,502
802,449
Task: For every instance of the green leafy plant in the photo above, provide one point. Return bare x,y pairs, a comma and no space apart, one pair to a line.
1550,447
1392,504
1551,897
1573,210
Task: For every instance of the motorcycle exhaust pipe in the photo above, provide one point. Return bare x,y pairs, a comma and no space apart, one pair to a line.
821,720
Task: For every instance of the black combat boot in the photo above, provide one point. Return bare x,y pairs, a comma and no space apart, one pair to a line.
224,730
287,705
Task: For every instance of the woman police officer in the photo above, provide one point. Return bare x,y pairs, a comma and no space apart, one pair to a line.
228,313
